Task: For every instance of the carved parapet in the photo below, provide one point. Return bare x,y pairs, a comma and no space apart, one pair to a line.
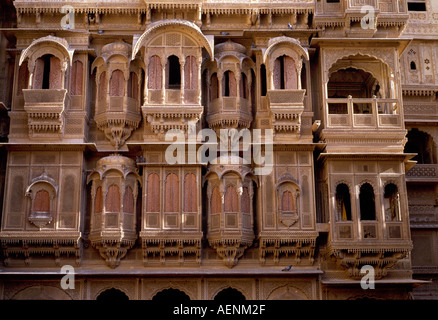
45,111
184,246
162,118
26,245
229,112
381,256
286,107
299,245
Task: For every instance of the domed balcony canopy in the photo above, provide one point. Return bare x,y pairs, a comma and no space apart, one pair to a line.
57,43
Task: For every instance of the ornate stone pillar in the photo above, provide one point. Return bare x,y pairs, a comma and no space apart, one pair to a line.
183,82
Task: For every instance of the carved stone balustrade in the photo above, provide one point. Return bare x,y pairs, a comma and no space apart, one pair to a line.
229,112
286,107
45,111
162,118
423,173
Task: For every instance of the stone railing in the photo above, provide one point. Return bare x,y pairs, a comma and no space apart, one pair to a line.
423,172
363,113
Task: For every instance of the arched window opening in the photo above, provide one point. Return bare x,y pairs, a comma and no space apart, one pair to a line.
413,65
190,73
76,78
230,294
231,200
343,202
117,84
102,86
245,201
171,203
153,193
98,201
367,202
47,74
171,295
215,202
304,77
214,87
391,201
285,73
154,73
287,202
133,86
41,203
112,295
112,203
422,144
352,82
229,84
263,82
128,201
243,86
190,193
173,72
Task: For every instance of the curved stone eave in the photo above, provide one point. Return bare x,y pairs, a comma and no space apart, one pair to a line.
184,26
284,40
60,42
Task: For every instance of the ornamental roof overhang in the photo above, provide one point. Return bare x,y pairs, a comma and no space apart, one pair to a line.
183,26
60,43
399,43
283,40
405,157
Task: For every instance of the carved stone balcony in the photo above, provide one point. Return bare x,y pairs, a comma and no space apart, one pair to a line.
423,173
117,118
286,107
45,111
355,244
229,112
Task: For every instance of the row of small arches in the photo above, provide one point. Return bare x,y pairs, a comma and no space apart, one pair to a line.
367,202
166,295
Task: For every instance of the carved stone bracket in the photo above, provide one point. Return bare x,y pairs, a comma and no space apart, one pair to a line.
163,246
301,247
230,250
380,258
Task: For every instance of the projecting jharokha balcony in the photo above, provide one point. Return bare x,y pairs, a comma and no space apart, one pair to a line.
363,113
45,111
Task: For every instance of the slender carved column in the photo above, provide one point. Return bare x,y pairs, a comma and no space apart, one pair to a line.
182,88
